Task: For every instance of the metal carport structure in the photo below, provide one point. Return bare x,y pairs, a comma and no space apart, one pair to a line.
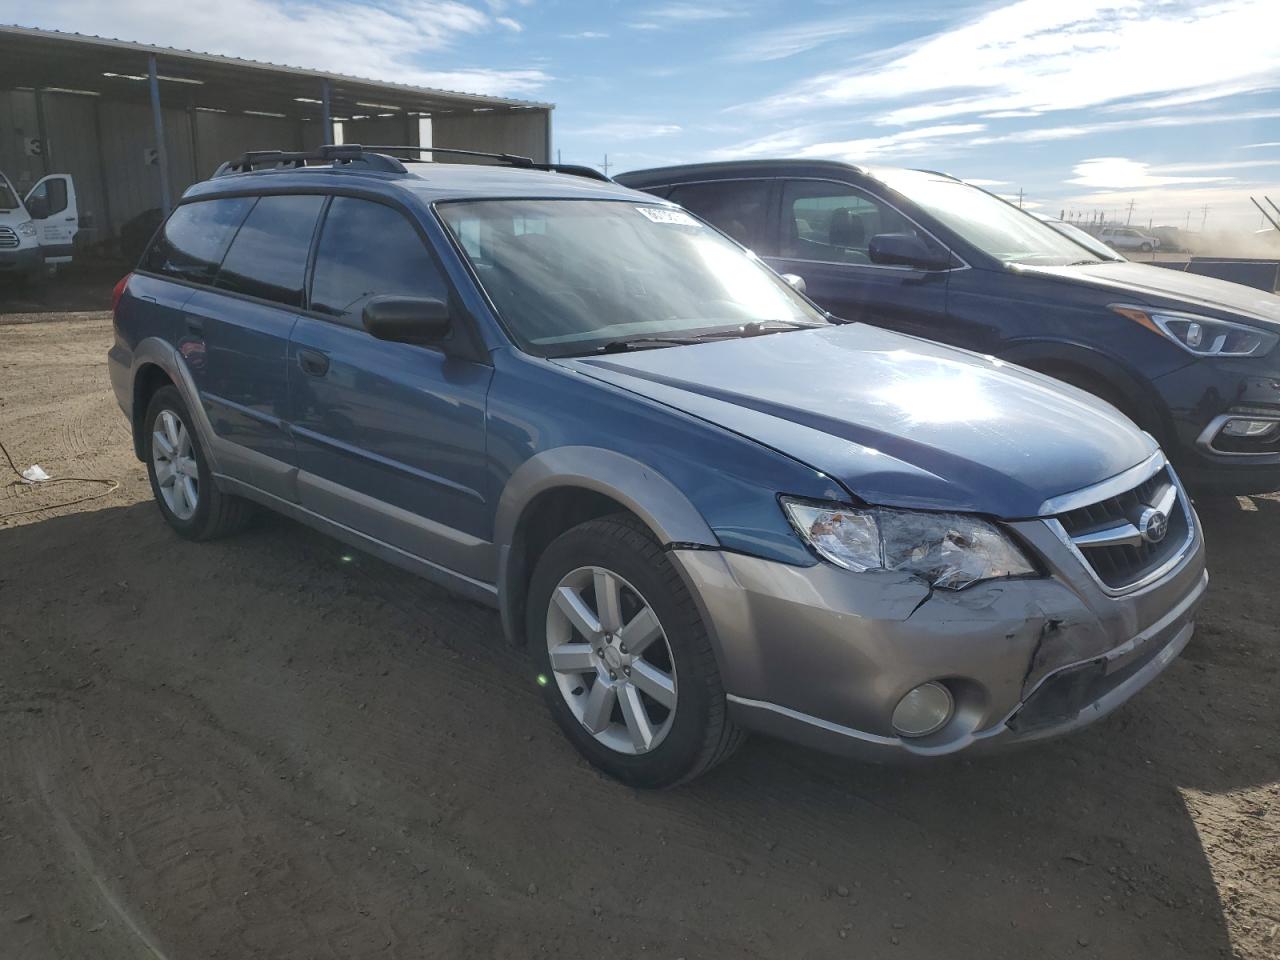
136,124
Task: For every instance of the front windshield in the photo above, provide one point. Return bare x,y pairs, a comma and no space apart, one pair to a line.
993,226
570,276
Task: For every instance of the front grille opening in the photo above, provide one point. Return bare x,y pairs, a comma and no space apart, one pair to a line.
8,239
1123,565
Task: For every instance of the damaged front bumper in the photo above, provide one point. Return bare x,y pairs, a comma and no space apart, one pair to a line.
821,656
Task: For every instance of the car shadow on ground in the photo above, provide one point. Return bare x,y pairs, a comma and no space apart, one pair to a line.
285,747
77,288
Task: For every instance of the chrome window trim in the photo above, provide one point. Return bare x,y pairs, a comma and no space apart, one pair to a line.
1056,527
1210,433
1112,486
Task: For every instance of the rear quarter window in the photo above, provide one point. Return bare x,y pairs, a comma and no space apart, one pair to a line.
192,242
268,257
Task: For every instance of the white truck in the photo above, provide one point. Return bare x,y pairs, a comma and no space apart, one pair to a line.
37,232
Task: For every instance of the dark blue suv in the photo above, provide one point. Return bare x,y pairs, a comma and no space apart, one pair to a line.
703,507
1191,360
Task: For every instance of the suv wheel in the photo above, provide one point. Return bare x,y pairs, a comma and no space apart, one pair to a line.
180,477
626,662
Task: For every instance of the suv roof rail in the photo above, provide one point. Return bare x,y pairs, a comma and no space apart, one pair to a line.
334,154
514,160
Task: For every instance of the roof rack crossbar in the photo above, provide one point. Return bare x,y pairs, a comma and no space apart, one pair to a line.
380,158
513,159
333,153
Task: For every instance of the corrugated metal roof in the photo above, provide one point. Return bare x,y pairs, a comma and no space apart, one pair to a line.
197,58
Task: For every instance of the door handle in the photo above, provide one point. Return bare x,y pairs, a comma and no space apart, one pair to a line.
313,362
195,325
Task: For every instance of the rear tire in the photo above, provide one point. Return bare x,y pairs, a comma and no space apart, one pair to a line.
594,697
181,481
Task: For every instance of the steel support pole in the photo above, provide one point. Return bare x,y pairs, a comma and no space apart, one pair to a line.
162,153
326,113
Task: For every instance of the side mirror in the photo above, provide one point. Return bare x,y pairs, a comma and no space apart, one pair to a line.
796,282
38,207
407,319
906,250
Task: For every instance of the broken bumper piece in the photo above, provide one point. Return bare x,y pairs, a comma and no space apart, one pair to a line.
822,656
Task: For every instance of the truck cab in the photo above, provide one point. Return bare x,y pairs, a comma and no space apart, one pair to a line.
37,231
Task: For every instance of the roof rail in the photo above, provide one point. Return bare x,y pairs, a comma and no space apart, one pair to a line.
333,154
572,169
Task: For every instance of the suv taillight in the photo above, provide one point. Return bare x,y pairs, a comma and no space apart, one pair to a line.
118,291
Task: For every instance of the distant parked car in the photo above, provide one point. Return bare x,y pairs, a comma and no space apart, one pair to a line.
37,231
1129,238
1190,359
702,505
1082,237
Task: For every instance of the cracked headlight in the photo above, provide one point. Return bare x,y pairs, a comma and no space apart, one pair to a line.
949,550
27,228
1203,336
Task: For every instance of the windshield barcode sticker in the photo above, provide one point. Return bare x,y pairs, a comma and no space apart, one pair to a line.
668,215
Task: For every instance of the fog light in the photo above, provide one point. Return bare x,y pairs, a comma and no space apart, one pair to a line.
924,710
1249,428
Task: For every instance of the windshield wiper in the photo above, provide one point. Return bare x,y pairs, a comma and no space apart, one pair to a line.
755,328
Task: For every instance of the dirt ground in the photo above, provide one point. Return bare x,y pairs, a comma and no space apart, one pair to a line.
271,747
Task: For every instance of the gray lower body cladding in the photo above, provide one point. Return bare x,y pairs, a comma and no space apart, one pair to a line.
822,656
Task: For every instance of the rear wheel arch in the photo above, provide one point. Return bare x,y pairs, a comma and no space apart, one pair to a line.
148,378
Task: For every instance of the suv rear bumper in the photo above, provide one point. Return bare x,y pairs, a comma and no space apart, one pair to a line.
821,656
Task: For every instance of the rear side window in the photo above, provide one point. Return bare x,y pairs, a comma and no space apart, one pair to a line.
192,242
268,257
735,207
367,249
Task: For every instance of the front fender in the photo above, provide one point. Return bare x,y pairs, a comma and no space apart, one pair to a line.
635,485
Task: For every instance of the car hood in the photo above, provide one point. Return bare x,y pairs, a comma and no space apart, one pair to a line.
1158,285
898,421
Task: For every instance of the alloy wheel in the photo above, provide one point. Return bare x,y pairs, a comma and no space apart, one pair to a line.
174,460
611,660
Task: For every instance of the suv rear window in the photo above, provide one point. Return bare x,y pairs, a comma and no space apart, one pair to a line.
194,239
268,257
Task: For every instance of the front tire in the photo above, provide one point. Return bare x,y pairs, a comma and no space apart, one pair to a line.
626,663
181,480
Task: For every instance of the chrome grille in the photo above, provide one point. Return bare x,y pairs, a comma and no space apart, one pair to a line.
8,239
1116,538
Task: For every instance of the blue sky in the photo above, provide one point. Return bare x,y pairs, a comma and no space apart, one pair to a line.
1079,103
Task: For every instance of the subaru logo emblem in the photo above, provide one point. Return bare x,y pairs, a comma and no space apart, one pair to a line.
1153,525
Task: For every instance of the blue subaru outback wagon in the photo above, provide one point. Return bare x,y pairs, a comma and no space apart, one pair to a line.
703,506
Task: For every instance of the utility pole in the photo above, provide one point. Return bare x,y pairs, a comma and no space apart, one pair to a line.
1188,227
1019,198
557,156
1204,216
604,167
1129,218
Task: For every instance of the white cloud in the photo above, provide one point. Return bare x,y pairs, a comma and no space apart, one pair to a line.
626,130
1043,134
585,35
509,23
987,183
381,42
798,143
1121,172
1255,146
672,15
787,41
1043,55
